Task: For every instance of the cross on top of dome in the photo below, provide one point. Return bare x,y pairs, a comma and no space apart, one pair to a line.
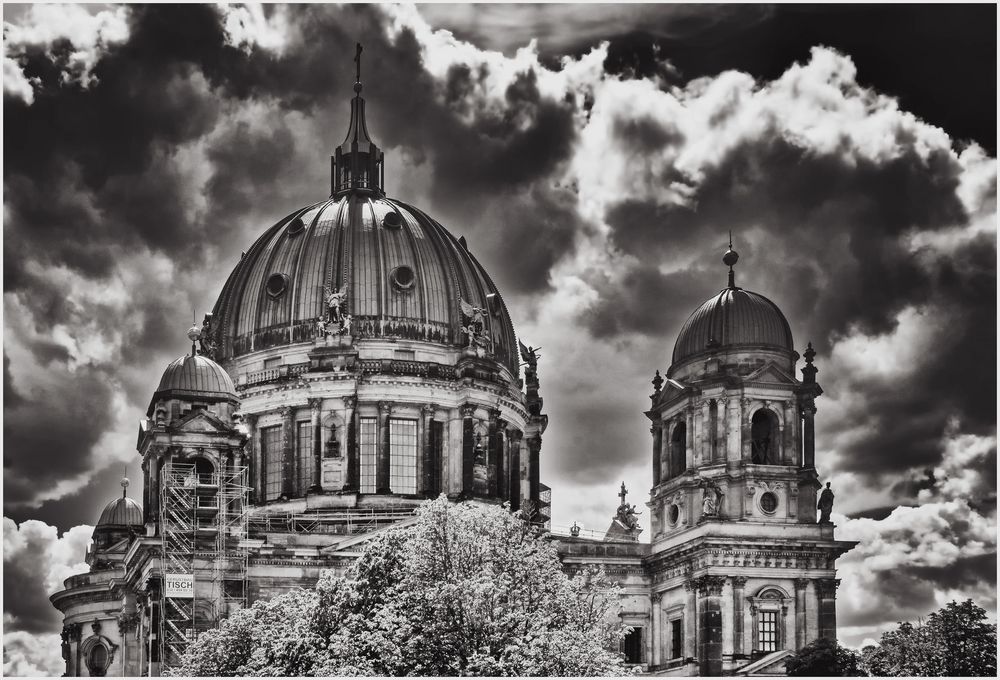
357,164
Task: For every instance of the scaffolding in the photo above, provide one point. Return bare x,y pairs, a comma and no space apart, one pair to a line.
203,526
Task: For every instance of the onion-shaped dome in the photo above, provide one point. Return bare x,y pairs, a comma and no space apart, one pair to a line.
386,266
195,377
734,318
121,512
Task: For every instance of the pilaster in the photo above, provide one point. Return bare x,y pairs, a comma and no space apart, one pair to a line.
316,411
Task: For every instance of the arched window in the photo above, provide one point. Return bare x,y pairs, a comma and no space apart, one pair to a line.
764,449
769,609
97,660
678,450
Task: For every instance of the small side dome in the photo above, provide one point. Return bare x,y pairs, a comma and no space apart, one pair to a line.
195,377
121,512
733,318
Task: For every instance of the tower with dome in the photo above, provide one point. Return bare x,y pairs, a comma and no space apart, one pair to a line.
360,360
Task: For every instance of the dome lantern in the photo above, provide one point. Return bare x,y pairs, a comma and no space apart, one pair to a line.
357,164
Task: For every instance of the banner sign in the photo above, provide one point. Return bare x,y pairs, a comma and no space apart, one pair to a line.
178,585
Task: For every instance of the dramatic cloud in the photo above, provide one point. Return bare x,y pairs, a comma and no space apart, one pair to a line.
147,146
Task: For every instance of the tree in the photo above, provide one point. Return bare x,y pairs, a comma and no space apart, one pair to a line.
955,641
467,589
824,657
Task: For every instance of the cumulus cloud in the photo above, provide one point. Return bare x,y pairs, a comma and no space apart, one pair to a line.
36,560
26,654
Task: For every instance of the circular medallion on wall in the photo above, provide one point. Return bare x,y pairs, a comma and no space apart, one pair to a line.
768,502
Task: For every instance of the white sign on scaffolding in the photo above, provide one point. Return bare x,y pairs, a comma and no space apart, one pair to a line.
178,585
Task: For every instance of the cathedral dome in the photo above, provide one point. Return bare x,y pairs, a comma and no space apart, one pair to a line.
734,318
121,512
374,267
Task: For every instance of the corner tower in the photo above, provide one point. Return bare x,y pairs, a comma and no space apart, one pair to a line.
737,554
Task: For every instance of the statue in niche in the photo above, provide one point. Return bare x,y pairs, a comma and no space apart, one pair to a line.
711,499
825,505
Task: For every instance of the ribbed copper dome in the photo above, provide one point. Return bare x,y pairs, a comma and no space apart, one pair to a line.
403,274
121,512
733,318
197,377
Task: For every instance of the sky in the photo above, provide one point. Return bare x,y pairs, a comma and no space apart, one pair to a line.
595,158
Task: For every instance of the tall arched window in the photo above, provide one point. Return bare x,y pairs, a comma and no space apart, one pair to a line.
678,449
764,444
713,429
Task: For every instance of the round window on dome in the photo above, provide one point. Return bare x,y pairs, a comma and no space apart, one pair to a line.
296,226
768,502
402,277
276,284
392,220
673,513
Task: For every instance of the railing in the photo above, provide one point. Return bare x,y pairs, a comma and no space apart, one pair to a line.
347,521
283,372
589,534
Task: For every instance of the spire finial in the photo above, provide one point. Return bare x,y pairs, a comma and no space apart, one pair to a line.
730,258
357,61
194,334
124,481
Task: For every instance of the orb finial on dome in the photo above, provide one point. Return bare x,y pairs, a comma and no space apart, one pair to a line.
124,482
729,259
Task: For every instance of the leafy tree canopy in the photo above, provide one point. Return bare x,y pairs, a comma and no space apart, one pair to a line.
824,657
955,641
466,589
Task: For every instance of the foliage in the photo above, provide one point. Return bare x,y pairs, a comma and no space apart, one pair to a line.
824,657
956,640
465,589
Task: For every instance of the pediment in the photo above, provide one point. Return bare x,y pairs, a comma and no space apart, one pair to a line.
771,373
200,421
671,390
771,665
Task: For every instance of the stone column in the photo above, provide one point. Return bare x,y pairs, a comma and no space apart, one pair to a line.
788,441
808,434
430,465
468,449
534,450
800,612
734,428
657,431
494,456
352,476
703,456
826,593
739,582
656,634
664,458
722,424
515,470
287,451
691,621
382,457
745,430
686,461
154,494
253,458
316,410
710,625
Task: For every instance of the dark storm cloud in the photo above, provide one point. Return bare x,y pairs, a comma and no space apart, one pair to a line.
48,433
803,220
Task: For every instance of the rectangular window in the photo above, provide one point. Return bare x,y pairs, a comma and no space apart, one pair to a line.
767,631
271,454
304,453
676,639
402,455
632,645
368,453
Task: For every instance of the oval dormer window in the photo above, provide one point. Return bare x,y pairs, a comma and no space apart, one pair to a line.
296,226
276,284
768,502
402,277
392,220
